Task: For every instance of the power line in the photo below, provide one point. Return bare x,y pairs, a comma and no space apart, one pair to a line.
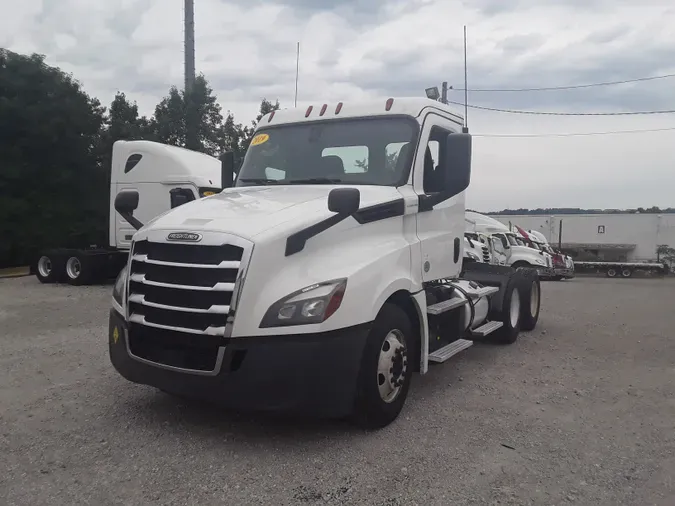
571,87
549,113
580,134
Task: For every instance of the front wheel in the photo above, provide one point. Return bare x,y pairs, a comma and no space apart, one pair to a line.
385,374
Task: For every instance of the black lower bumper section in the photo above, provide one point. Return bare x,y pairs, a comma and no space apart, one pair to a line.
309,374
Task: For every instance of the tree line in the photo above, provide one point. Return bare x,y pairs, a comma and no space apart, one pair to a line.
56,148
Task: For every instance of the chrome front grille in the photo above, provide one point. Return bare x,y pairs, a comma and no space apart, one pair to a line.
486,254
182,292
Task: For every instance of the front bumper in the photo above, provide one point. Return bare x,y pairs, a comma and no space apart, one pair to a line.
564,272
544,272
309,374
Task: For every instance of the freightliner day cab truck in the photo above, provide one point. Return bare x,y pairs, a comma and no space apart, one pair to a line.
314,284
504,247
563,265
164,177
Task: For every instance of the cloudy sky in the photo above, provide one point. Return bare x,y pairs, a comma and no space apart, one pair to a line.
355,49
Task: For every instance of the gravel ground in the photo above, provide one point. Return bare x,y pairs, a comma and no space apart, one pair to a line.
580,411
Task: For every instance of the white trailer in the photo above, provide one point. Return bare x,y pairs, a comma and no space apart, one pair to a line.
313,285
164,177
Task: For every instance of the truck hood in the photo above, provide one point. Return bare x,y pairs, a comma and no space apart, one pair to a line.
251,211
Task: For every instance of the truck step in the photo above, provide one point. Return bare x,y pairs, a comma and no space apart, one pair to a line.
487,328
447,351
484,291
446,305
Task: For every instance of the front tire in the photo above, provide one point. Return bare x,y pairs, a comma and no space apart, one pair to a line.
386,369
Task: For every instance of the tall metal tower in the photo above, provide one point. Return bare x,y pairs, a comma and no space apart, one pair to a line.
191,141
189,44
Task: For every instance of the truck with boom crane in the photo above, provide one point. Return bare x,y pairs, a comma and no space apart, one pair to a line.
311,283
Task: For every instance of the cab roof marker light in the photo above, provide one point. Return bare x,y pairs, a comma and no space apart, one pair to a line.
390,102
323,109
309,111
338,108
271,116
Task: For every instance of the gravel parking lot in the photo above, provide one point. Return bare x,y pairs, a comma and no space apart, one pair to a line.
580,411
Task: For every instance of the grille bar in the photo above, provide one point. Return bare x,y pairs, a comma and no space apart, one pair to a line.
218,287
225,264
210,331
214,309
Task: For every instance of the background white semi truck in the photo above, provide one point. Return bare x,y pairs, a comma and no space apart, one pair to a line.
504,247
164,177
563,265
317,284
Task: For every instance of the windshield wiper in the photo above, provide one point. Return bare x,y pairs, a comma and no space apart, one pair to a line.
315,180
259,180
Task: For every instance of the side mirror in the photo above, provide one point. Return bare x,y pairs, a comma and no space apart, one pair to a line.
227,169
126,202
344,201
457,163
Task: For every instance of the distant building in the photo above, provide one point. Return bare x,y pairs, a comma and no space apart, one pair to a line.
608,237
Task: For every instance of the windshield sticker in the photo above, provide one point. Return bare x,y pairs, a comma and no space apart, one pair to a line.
259,139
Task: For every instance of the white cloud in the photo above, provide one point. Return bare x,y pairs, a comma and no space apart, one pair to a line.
354,49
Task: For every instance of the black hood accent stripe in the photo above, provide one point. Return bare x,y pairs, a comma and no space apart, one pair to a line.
296,242
380,211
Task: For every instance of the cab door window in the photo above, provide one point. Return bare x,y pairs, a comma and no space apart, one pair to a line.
180,196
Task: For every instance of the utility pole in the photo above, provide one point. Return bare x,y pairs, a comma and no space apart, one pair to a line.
444,93
191,141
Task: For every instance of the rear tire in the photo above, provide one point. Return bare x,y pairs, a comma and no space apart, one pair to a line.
611,272
386,369
49,268
531,302
79,269
510,312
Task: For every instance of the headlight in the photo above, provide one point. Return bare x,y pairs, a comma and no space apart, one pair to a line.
313,304
118,289
473,255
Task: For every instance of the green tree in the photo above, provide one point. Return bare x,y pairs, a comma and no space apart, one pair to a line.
49,144
172,115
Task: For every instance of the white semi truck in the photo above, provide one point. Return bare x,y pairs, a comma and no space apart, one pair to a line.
504,247
164,177
315,284
563,265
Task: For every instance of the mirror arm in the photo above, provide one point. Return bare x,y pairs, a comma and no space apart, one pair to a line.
132,220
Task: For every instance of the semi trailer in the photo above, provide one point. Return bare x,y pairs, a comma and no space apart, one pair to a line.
164,177
311,284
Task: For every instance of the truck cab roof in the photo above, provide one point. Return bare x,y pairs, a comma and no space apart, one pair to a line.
408,106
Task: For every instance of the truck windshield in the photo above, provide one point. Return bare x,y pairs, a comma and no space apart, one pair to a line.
373,151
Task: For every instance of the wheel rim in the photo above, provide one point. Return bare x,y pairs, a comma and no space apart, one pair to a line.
611,273
73,268
534,299
626,273
392,366
514,313
44,266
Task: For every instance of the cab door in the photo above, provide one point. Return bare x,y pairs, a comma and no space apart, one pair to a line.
440,229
